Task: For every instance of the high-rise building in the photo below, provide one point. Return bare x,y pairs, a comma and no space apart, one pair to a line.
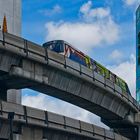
138,54
11,9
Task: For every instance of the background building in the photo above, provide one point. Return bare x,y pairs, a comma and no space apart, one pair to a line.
138,54
12,10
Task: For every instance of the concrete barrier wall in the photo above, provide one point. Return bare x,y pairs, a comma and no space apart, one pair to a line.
36,121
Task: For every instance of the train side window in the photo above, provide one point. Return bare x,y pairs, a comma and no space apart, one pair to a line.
112,77
83,61
107,74
122,85
94,66
117,81
50,47
100,70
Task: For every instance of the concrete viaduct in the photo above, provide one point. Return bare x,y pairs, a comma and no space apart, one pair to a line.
24,64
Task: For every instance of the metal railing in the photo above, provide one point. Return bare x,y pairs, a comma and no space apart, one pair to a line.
44,119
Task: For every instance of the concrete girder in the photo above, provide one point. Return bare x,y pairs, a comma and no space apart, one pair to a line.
63,85
62,78
34,124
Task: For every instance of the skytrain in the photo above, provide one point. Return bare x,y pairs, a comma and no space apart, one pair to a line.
67,50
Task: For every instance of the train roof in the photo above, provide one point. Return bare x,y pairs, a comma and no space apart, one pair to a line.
54,41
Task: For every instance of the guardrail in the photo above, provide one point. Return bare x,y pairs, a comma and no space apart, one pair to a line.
34,117
37,53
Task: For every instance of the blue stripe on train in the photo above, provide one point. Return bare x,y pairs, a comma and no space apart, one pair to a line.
78,59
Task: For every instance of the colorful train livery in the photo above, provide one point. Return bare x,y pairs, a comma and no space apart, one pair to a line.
74,54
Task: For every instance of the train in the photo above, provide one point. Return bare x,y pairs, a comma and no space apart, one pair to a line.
67,50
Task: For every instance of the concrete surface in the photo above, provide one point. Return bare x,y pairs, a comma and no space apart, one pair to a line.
29,65
12,10
33,124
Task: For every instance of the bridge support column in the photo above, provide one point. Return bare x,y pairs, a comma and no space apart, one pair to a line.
13,96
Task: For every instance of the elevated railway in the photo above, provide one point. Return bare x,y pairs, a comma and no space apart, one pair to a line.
24,64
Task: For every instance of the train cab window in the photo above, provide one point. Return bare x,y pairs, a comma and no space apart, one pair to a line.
47,45
58,47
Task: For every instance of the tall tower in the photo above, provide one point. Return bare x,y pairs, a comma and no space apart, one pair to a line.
138,54
11,9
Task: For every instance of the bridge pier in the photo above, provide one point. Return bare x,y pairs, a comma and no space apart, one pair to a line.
13,95
10,95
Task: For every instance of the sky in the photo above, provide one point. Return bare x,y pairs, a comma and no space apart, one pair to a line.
103,29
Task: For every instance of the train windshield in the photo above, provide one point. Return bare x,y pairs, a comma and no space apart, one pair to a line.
56,46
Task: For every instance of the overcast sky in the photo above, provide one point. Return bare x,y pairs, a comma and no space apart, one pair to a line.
103,29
